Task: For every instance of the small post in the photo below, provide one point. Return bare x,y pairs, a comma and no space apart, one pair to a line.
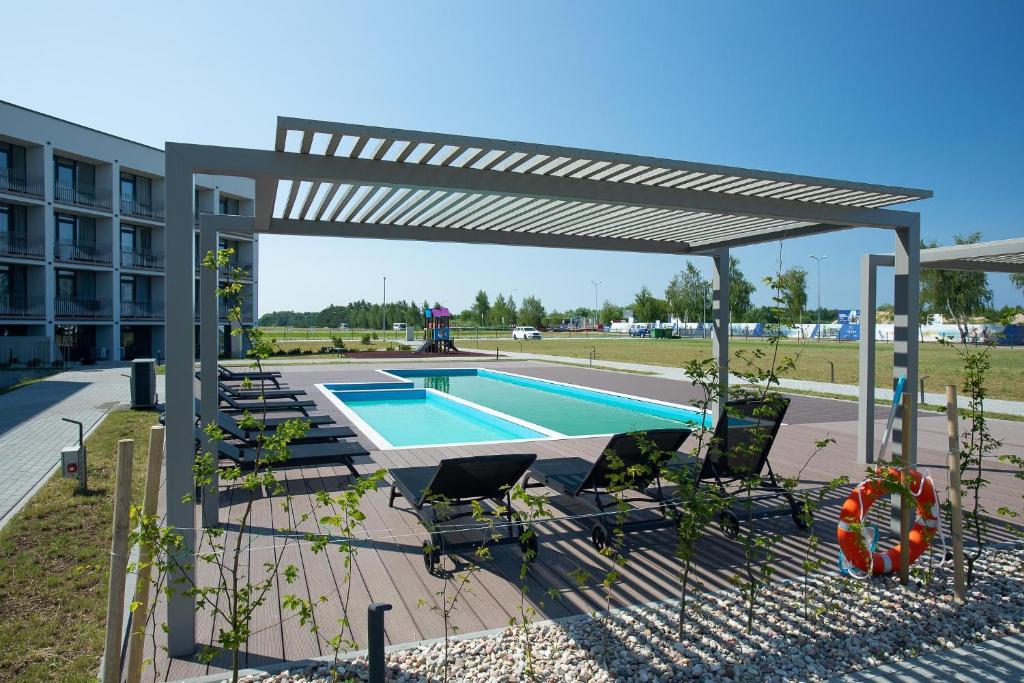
141,615
375,639
956,521
831,371
118,563
906,504
923,378
495,353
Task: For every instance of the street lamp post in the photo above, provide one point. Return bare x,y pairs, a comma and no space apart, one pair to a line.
384,309
597,311
818,260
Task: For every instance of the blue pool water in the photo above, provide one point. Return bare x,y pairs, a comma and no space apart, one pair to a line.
558,408
414,417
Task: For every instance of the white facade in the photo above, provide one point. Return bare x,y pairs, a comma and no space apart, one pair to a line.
82,242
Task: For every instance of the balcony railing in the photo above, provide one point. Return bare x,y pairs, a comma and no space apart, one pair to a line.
152,209
95,198
17,244
77,308
142,258
81,252
142,310
21,306
18,181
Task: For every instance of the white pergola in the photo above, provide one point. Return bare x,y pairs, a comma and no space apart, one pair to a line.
998,256
344,180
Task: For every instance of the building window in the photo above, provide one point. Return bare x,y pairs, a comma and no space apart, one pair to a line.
66,284
136,192
230,206
76,230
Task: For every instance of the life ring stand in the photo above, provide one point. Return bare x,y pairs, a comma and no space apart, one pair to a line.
854,536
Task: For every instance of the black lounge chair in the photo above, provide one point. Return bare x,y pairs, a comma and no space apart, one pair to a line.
300,455
258,406
593,483
248,394
229,375
457,482
229,425
739,450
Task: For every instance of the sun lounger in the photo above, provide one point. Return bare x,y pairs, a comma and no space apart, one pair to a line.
593,483
739,450
229,425
300,455
248,394
227,374
440,494
258,406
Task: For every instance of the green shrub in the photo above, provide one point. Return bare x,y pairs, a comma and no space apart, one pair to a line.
367,339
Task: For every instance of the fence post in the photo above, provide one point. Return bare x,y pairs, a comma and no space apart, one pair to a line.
906,503
375,639
141,615
118,563
956,522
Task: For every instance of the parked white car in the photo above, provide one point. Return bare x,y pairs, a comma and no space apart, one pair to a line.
525,333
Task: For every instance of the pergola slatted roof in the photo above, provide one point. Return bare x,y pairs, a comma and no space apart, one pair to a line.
508,193
997,256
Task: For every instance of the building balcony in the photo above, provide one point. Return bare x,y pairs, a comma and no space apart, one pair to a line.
153,210
149,259
78,308
17,181
89,197
142,310
21,306
14,244
81,252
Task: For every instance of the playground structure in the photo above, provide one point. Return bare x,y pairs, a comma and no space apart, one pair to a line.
437,332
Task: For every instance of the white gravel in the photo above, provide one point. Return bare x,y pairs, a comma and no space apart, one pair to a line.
876,622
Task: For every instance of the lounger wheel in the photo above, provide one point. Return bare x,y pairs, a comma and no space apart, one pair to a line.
432,553
802,516
730,525
599,536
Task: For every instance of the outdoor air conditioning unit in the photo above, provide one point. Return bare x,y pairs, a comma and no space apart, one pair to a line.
143,383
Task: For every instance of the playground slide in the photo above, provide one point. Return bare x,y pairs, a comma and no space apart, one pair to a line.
424,347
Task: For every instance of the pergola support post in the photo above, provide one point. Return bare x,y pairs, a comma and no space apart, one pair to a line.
720,324
905,345
208,348
180,342
866,368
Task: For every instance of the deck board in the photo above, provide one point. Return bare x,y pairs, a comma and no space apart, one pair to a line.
389,566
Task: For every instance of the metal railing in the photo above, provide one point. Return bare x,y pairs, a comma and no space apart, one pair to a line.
76,307
21,306
96,198
151,209
19,181
82,252
17,244
142,258
142,310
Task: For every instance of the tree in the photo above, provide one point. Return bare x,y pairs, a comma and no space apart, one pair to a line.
1018,280
531,312
955,293
740,291
481,306
793,293
648,308
610,312
688,294
513,312
500,314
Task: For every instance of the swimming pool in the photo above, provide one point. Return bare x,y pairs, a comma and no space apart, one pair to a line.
477,405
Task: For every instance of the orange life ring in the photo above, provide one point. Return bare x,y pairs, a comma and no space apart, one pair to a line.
855,509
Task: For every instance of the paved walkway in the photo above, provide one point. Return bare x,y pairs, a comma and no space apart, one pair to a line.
992,404
32,433
998,661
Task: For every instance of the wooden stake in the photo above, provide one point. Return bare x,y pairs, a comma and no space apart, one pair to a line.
141,615
118,563
906,503
956,520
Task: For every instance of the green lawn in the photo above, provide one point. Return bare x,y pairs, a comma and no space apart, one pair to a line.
939,364
54,563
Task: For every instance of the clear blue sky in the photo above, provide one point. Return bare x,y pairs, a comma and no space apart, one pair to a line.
920,94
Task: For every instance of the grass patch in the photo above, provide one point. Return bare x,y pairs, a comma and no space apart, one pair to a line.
55,561
940,364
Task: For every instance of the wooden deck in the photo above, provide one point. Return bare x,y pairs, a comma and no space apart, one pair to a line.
389,565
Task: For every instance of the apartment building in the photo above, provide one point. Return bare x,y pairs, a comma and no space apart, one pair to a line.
82,240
